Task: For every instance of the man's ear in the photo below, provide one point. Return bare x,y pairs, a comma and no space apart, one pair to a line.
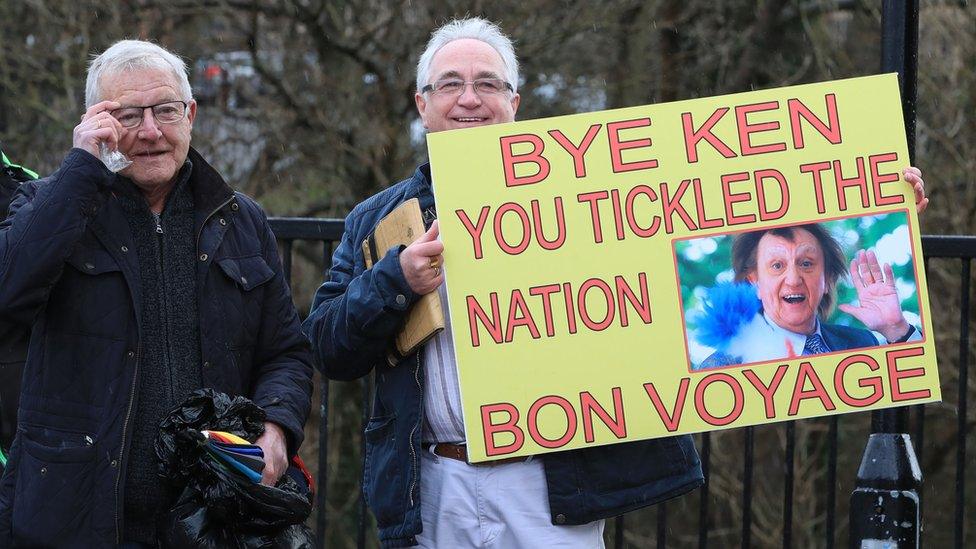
191,114
418,99
516,99
752,278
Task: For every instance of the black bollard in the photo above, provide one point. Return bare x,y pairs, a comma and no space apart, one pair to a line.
885,506
885,511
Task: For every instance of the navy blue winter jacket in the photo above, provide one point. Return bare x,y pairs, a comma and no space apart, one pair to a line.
68,268
353,320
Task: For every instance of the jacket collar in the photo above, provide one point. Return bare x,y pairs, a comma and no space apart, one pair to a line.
209,188
421,180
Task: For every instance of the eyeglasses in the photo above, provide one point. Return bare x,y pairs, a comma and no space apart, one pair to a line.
456,86
170,112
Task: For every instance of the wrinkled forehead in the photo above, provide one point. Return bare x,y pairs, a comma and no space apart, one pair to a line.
142,83
467,58
803,243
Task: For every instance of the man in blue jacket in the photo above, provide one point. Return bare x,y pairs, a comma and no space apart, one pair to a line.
417,480
139,287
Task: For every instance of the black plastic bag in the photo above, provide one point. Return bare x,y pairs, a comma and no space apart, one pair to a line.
218,508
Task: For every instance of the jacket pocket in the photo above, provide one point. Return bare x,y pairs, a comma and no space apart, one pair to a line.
240,297
91,296
246,272
644,463
383,483
52,503
92,261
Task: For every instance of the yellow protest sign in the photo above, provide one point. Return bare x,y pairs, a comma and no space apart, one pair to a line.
683,267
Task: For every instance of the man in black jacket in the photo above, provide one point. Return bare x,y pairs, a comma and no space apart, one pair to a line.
139,287
13,338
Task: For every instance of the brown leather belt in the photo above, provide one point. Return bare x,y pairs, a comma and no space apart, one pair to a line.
460,453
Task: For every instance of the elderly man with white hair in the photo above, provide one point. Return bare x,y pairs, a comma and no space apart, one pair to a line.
139,287
417,479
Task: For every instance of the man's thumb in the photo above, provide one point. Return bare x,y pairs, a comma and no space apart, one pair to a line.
851,310
431,234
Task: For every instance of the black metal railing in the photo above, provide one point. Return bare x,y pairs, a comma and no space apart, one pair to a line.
326,232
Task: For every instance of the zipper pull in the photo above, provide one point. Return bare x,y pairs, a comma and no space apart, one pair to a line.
159,225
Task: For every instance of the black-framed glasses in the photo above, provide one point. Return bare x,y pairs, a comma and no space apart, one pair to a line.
456,86
169,112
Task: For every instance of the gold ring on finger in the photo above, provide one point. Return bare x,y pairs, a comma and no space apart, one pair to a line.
434,264
437,271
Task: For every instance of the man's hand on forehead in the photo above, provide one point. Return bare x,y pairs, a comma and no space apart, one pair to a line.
98,125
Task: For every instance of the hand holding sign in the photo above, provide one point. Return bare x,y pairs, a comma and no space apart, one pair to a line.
913,176
421,262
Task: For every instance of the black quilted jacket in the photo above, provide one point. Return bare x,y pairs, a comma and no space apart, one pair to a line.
68,269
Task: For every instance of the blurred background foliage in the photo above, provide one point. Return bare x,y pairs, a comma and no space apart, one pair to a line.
307,105
706,262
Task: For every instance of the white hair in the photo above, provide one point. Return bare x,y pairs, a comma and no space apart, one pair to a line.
126,55
477,29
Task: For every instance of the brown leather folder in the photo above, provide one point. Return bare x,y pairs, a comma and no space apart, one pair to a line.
400,228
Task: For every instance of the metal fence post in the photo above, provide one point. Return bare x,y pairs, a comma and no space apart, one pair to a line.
885,510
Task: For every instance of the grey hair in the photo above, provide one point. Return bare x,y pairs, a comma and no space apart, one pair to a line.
477,29
126,55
